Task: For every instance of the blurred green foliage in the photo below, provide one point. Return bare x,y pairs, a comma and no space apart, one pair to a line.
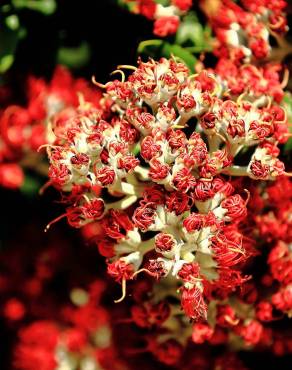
11,30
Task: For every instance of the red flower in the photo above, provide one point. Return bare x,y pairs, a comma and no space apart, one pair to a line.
183,5
116,224
178,202
169,352
189,272
147,8
236,208
60,174
11,175
148,315
193,303
75,339
201,332
264,311
164,242
14,309
193,222
144,215
94,209
105,176
120,270
165,26
251,332
158,171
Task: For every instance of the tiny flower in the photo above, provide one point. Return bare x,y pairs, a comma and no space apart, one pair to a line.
193,303
201,332
165,26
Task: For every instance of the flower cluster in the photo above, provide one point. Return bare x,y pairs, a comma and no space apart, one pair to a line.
244,318
23,129
243,29
176,178
274,225
164,207
68,330
166,17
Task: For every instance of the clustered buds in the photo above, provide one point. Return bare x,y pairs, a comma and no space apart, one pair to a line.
154,160
243,29
178,179
166,16
23,129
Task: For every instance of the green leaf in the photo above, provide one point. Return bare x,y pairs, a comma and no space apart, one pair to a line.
8,43
136,149
288,145
130,6
193,36
162,2
12,22
169,50
186,29
6,62
47,7
144,46
75,57
198,34
287,102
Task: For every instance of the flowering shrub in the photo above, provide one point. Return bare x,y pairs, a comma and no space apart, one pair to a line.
176,176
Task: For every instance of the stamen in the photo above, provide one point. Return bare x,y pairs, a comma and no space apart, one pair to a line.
269,101
237,250
48,146
100,85
142,270
289,174
285,78
81,100
241,96
248,196
44,187
192,76
125,66
86,198
121,72
276,25
54,221
124,287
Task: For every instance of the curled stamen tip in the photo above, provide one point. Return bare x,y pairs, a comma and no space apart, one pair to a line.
81,99
121,72
93,80
139,271
123,292
126,66
285,78
44,187
248,196
289,174
43,146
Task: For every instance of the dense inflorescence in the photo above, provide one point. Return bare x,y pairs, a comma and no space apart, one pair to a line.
178,179
153,172
23,129
243,29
